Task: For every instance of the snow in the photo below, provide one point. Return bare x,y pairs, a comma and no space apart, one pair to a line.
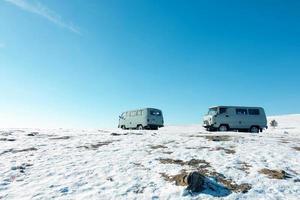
96,164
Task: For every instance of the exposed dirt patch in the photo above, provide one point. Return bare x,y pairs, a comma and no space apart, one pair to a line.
60,138
284,141
18,150
97,145
218,138
167,152
115,134
179,179
275,174
7,139
245,167
296,148
197,147
192,163
33,134
21,168
110,179
228,151
158,146
6,133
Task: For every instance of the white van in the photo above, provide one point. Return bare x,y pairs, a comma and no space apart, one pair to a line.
225,118
146,118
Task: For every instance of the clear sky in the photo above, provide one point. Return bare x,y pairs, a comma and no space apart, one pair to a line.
78,63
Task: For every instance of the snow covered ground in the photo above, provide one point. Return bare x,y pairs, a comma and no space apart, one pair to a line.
116,164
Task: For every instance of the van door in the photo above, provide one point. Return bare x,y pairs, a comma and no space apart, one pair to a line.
241,118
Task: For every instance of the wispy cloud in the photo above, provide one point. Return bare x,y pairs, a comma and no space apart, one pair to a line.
41,10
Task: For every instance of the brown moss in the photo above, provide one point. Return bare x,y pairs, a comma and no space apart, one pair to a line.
275,174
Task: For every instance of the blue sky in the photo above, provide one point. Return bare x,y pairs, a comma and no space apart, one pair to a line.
81,63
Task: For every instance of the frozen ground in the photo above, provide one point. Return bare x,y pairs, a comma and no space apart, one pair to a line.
116,164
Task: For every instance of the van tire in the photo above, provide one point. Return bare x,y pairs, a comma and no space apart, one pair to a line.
123,127
139,127
223,128
254,129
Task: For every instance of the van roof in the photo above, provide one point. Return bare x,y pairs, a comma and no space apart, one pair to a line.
142,109
236,107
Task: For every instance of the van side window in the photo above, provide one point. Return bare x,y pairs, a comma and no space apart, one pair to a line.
139,112
133,113
223,110
240,111
253,111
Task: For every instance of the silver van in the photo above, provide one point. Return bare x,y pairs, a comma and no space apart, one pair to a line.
225,118
146,118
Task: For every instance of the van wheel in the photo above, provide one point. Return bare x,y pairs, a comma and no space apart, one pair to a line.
223,128
123,127
140,127
254,129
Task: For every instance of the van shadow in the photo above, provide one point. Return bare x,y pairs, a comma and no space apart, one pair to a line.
211,187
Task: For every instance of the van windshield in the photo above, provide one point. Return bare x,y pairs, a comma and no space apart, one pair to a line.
155,112
212,111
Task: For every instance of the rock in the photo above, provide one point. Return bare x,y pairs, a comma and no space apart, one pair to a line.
195,182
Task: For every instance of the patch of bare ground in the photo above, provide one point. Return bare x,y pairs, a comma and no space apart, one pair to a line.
275,174
118,134
32,133
167,152
60,138
284,141
218,138
204,168
228,151
18,150
7,139
6,133
244,167
296,148
192,163
197,147
158,146
179,179
97,145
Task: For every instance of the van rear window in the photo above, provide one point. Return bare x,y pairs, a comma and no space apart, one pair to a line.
253,111
155,112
